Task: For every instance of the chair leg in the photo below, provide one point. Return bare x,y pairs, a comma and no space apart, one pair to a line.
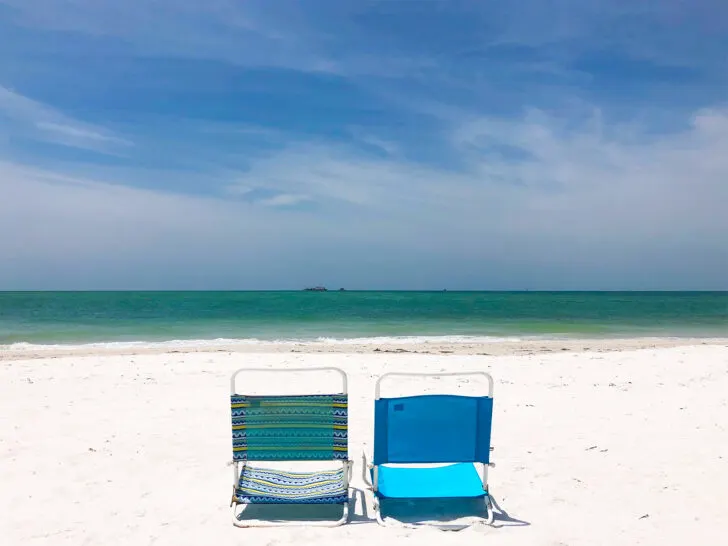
365,467
378,513
344,517
237,521
489,515
380,518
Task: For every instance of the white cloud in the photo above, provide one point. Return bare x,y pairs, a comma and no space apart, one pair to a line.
61,231
284,200
540,204
241,33
44,122
344,37
76,132
543,193
536,166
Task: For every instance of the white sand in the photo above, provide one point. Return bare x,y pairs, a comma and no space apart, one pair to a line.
622,447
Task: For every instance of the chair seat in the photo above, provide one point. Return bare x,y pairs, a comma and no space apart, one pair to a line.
451,481
268,486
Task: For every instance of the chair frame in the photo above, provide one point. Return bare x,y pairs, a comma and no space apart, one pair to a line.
370,467
237,469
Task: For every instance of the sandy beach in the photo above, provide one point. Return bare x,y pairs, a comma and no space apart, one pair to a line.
597,442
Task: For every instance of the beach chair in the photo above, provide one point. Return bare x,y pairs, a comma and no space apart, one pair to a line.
415,435
272,429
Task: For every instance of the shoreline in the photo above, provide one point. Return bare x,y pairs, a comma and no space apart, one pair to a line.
497,347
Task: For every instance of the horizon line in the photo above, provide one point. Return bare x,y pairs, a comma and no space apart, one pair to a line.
338,290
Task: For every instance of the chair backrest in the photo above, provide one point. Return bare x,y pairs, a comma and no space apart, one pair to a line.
289,428
432,429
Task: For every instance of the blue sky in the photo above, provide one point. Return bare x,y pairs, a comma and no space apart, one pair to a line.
560,144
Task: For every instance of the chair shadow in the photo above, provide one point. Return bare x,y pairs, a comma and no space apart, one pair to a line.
306,513
450,514
506,520
353,516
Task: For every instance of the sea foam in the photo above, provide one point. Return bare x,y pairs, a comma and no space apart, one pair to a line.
193,344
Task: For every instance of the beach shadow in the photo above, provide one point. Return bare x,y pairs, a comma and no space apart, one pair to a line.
447,514
503,519
359,499
305,513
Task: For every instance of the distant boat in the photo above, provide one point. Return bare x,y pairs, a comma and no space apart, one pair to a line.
316,289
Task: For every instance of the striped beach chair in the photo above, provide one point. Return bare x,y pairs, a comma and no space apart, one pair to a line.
275,428
431,446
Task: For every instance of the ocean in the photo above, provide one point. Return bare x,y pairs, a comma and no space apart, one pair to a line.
71,318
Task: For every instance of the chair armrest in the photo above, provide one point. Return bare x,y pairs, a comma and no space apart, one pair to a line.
236,472
348,467
365,468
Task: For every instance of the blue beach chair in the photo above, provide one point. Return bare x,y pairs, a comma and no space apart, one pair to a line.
422,432
284,429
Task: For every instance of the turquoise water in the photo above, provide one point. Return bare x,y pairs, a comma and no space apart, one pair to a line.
99,317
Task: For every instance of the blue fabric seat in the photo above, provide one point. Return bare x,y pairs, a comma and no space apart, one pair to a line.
268,486
450,481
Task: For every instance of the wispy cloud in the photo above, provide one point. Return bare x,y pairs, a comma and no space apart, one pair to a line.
580,206
285,200
266,196
552,191
375,38
77,132
43,122
242,33
92,234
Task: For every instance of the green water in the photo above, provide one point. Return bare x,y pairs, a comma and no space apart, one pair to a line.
98,317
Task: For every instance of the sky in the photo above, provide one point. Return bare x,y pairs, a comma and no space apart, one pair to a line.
369,144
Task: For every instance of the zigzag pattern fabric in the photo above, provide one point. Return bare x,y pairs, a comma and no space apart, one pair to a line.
289,428
266,486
